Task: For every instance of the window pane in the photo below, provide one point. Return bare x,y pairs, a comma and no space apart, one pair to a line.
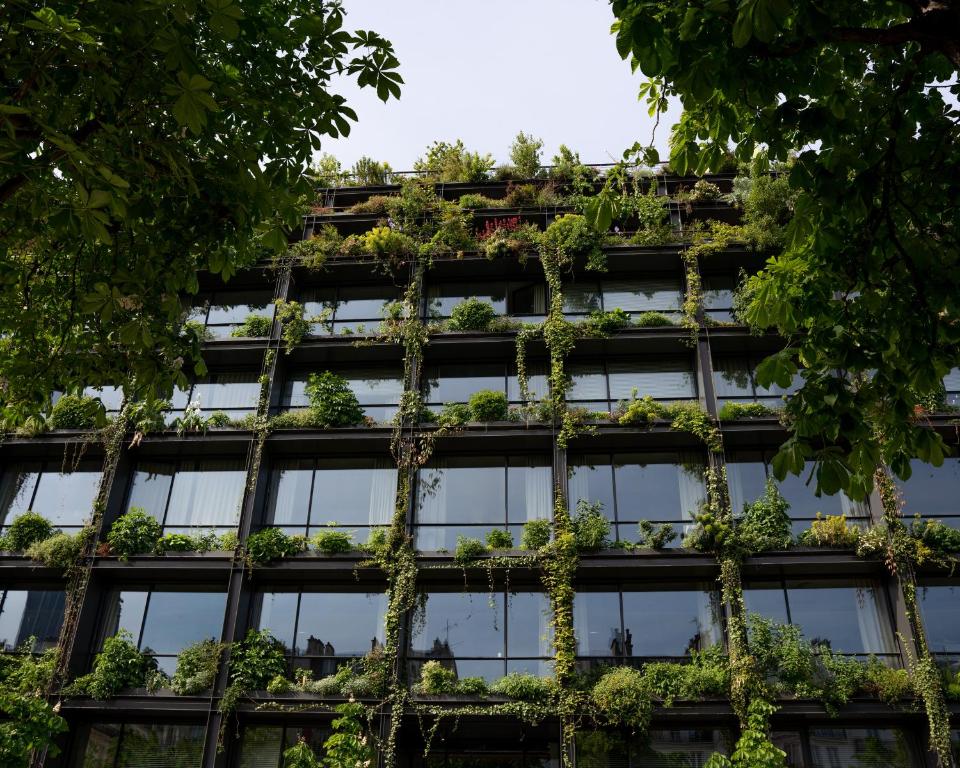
656,488
733,377
363,303
596,623
178,619
460,624
235,307
940,606
456,383
161,746
746,479
278,613
860,748
227,390
769,601
129,613
663,379
718,292
207,493
261,747
101,748
31,613
685,620
354,492
290,483
461,490
17,484
651,295
529,490
848,619
591,480
528,619
372,387
344,624
151,486
932,491
66,498
443,298
587,382
581,298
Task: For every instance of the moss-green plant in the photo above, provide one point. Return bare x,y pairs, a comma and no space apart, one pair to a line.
690,417
704,191
272,544
471,314
134,533
31,722
472,200
349,746
652,320
499,539
332,402
253,326
600,323
203,542
940,538
754,748
591,528
256,660
655,537
732,411
710,532
444,161
525,155
26,530
314,253
766,523
535,535
623,698
300,755
642,410
120,665
524,686
61,550
197,667
572,236
830,531
454,415
468,551
293,324
436,679
77,412
487,405
332,542
367,172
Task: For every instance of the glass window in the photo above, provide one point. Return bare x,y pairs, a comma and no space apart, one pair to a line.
111,397
861,748
190,494
322,630
616,625
263,746
940,608
734,379
718,293
850,619
469,496
455,382
378,391
345,311
660,487
655,294
309,494
479,634
26,613
600,386
526,299
223,312
747,473
658,749
64,498
236,394
932,492
163,623
951,385
134,745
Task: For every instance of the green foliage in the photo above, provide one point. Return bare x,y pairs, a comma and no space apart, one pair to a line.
134,533
256,660
704,191
117,667
830,531
471,200
472,314
601,323
525,155
368,172
332,542
487,405
253,327
468,551
940,538
30,722
766,522
522,196
452,162
300,756
436,680
319,249
26,530
642,410
61,550
77,412
393,248
710,533
591,529
499,539
349,746
326,171
204,542
147,416
732,411
272,544
535,535
652,320
622,697
754,748
655,538
332,402
767,208
161,141
293,325
197,667
571,237
454,415
568,169
524,686
690,417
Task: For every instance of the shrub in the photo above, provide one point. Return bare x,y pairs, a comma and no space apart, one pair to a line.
525,155
733,411
117,667
502,241
536,535
591,529
332,542
704,191
454,415
134,533
766,523
256,660
435,679
26,530
368,172
524,686
886,683
499,539
197,666
652,320
182,542
253,327
272,544
655,537
830,531
332,402
487,405
522,196
77,412
472,315
605,323
572,236
478,201
642,411
709,533
938,537
314,253
468,550
451,162
623,697
61,550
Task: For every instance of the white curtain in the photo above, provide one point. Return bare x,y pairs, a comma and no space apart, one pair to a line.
208,495
851,508
432,493
708,616
579,486
383,492
693,488
872,635
538,493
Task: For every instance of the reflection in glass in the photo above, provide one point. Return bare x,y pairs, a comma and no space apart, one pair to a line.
860,748
64,498
35,613
933,491
940,608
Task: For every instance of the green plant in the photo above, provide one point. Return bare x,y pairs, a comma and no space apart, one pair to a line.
525,155
521,196
601,323
472,200
642,411
766,522
535,535
349,746
197,666
524,686
468,550
368,172
940,538
690,417
77,412
300,756
591,528
655,538
379,205
471,314
332,542
256,660
26,530
487,405
314,252
451,162
830,531
652,320
622,697
499,539
436,680
61,550
272,544
732,411
754,748
182,542
134,533
454,415
710,533
31,722
704,191
120,665
254,326
332,402
573,237
326,171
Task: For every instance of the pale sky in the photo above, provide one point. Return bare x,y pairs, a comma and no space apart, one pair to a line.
482,70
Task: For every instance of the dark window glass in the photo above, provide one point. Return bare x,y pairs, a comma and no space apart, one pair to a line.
345,311
718,292
657,749
64,498
940,607
378,391
520,298
601,386
263,746
861,748
223,312
30,613
661,294
932,491
735,380
236,394
135,745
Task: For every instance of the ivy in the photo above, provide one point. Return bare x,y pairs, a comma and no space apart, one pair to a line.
30,722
